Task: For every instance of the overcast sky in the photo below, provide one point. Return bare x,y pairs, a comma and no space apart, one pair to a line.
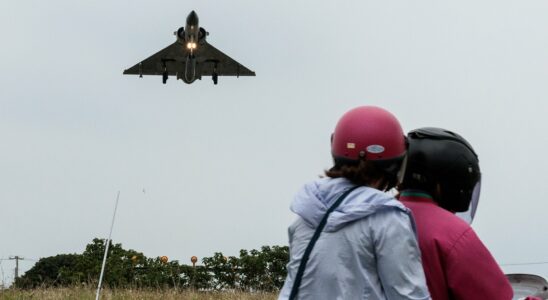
204,168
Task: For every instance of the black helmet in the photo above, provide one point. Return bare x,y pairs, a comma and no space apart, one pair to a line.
445,165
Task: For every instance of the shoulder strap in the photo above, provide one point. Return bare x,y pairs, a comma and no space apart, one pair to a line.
315,237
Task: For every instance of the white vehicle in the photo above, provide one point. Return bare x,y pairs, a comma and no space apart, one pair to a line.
528,285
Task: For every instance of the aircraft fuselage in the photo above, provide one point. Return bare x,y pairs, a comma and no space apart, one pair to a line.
192,29
190,37
192,34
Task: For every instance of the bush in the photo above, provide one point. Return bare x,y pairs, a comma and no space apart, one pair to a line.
263,270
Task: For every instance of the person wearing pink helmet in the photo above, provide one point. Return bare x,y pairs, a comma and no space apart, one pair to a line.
443,178
352,240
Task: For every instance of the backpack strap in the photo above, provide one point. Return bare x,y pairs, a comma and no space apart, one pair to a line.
315,237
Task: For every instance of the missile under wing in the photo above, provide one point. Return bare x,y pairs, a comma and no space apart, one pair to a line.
190,57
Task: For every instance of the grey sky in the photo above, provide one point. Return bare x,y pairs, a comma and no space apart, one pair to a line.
220,164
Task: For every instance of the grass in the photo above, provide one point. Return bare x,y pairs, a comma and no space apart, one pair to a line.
123,294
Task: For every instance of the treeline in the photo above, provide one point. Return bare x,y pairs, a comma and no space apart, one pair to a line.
263,270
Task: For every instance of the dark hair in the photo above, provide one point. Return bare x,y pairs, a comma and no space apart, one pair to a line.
362,172
418,183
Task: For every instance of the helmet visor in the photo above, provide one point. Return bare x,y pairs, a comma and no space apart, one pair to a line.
469,214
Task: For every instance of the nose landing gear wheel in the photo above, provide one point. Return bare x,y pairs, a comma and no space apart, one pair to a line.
215,78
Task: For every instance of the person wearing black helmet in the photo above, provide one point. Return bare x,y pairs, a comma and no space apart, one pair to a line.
351,240
443,178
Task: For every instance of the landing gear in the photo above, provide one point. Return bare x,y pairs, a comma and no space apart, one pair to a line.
215,75
164,74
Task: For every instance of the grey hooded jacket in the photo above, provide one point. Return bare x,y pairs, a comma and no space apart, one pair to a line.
367,250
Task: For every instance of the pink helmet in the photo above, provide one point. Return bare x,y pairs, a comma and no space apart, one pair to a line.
368,132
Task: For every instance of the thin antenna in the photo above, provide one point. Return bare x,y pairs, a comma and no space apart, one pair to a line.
526,263
106,249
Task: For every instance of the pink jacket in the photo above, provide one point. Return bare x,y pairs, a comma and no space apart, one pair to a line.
456,263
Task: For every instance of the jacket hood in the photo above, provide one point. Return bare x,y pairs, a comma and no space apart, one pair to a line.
314,199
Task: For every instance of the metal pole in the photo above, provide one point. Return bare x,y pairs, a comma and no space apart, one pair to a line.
3,283
16,267
106,249
16,258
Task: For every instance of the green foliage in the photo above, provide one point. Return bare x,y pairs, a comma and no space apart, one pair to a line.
263,270
119,263
223,270
254,270
51,271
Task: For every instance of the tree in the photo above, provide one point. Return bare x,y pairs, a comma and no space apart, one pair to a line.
51,271
119,264
277,258
253,270
223,270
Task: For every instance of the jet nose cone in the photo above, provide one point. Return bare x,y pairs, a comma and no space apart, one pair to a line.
192,18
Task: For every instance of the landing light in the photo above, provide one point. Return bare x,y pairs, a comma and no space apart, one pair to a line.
191,45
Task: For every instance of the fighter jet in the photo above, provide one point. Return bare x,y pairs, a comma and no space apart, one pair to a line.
190,57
